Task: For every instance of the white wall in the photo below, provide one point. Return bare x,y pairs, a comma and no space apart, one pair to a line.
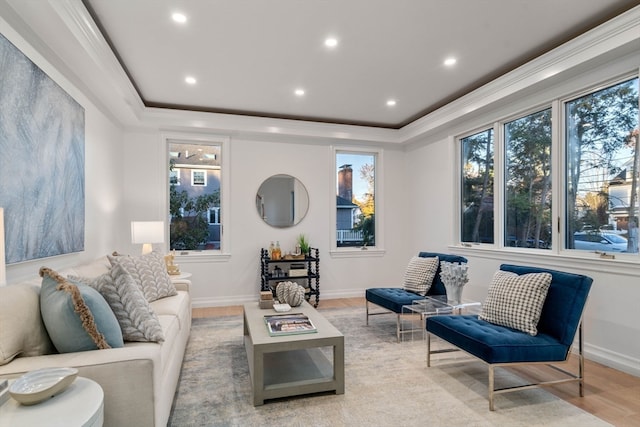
234,278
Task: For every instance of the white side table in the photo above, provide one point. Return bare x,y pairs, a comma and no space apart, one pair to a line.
182,275
81,404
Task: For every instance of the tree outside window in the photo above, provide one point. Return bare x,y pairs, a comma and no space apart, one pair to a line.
477,187
528,181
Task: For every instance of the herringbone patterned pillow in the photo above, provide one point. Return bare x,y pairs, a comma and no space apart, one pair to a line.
137,320
150,273
516,301
419,274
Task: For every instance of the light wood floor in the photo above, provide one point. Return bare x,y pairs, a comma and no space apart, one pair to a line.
609,394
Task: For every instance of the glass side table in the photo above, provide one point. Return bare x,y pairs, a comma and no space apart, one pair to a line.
413,317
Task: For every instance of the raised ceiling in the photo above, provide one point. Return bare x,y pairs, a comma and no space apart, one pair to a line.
249,56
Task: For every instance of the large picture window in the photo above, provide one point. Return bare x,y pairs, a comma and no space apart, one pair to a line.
195,209
594,146
528,181
477,187
355,199
601,132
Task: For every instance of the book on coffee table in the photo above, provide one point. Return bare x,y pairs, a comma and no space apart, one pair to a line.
289,324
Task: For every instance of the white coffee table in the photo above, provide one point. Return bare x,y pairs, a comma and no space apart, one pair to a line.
81,404
292,365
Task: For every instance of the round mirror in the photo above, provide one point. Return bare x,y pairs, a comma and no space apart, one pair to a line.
282,201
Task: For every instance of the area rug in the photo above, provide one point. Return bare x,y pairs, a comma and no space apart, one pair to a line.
386,384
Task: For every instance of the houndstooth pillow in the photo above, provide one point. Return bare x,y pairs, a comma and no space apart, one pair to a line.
150,273
137,320
516,301
419,274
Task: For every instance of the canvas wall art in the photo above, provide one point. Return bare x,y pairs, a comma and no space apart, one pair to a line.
41,161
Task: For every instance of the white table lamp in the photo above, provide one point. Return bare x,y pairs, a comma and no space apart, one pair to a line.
3,270
146,233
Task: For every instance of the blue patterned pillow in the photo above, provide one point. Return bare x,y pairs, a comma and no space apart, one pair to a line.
77,317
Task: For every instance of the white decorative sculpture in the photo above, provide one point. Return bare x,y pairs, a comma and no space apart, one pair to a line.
290,293
454,276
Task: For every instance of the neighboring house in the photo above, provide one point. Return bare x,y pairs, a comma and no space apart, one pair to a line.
346,213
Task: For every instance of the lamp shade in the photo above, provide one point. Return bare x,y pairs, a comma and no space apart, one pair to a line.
146,233
3,271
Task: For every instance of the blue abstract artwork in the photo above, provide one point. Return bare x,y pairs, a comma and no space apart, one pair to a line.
41,161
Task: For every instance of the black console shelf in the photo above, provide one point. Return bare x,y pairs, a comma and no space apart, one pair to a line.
310,280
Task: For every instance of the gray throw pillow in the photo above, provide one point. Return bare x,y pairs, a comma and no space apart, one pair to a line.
516,301
150,273
137,320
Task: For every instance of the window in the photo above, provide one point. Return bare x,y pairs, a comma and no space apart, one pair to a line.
528,181
174,177
601,132
195,209
355,199
477,187
594,148
199,178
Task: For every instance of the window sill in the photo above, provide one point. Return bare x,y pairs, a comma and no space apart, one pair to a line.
356,252
578,260
193,257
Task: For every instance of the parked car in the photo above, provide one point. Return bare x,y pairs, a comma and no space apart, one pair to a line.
603,242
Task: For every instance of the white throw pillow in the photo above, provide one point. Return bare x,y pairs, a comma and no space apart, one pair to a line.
419,274
150,273
516,301
137,320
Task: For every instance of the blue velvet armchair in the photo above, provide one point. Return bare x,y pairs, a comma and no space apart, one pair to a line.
501,346
392,299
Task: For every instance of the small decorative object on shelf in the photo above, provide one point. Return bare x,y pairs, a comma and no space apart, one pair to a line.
304,271
303,244
454,276
172,268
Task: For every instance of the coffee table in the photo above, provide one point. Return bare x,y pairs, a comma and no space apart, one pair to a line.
292,365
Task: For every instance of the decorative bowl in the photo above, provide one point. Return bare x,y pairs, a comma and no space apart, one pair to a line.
36,386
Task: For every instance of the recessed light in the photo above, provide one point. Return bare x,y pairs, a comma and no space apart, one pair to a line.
331,42
299,92
391,103
179,18
190,80
450,61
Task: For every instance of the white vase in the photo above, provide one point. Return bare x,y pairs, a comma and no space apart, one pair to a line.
454,293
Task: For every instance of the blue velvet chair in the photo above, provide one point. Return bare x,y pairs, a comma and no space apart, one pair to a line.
500,346
392,299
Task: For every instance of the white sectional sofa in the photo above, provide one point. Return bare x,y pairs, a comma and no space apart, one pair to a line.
139,380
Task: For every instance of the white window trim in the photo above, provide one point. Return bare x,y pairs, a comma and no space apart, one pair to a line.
627,263
372,251
224,253
177,173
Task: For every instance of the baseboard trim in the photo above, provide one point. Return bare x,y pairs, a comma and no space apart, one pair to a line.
612,359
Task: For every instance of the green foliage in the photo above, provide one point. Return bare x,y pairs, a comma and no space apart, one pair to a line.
304,244
189,228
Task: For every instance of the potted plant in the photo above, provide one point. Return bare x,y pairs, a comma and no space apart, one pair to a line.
304,244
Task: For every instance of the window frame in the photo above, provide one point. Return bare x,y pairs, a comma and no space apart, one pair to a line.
378,248
193,178
222,254
557,104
